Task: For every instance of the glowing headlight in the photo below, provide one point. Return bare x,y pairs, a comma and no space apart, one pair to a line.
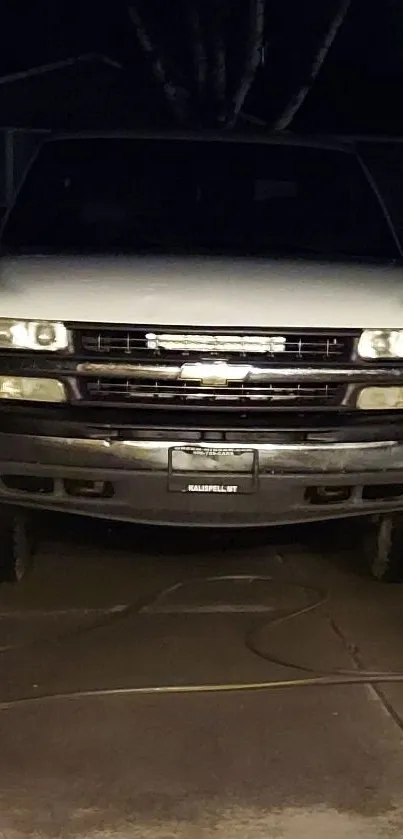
32,389
42,335
381,343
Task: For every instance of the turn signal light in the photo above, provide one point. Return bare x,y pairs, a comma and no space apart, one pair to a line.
380,399
27,388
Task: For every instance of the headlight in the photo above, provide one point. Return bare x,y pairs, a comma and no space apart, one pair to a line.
31,389
47,336
381,343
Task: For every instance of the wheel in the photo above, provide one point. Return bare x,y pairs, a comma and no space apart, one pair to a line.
16,545
384,548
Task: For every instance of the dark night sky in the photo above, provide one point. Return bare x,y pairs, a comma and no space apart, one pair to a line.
357,90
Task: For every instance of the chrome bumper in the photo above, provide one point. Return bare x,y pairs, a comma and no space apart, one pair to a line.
271,458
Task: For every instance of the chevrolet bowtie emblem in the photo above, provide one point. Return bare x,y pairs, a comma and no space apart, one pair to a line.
217,374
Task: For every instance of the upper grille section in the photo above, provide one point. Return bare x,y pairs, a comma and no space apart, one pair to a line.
180,344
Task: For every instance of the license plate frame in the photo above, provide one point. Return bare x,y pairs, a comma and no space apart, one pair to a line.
212,470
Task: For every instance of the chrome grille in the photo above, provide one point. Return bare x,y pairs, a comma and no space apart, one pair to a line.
151,393
140,343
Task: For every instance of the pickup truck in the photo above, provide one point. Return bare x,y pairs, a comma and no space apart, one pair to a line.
202,331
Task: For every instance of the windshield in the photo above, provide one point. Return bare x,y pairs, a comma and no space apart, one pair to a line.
111,195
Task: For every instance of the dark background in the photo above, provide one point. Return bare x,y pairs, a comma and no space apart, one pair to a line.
85,64
358,88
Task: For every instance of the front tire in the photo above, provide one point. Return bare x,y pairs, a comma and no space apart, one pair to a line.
384,548
16,545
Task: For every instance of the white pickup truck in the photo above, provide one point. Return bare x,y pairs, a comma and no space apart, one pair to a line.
201,331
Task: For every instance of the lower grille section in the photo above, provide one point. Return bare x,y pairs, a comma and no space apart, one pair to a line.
137,392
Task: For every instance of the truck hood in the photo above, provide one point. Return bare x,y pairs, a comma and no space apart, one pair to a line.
202,291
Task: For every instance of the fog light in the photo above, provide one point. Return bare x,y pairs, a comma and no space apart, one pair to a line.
328,495
32,390
380,399
81,488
